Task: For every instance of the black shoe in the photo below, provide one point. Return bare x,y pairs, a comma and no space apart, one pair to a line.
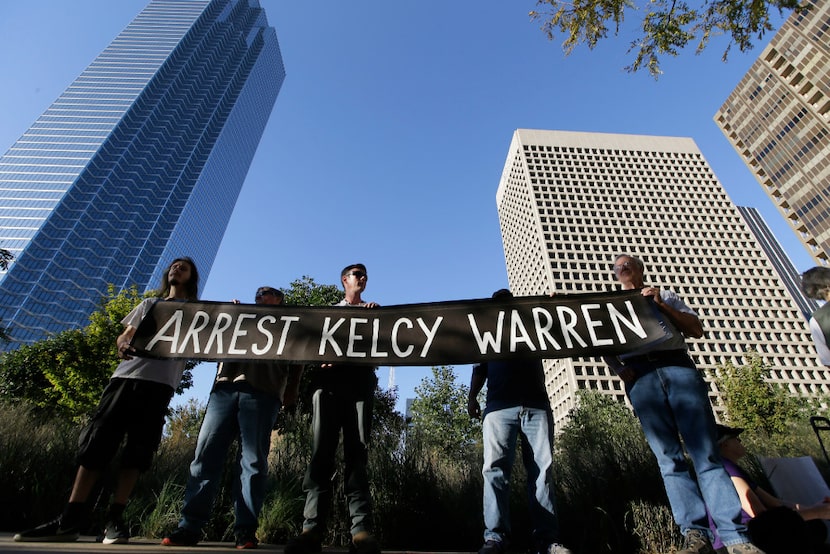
492,547
246,540
116,532
307,542
182,537
52,531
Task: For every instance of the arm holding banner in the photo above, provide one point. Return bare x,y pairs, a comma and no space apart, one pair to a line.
476,384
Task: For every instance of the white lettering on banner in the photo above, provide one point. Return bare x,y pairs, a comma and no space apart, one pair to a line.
288,320
176,320
353,336
269,338
430,333
375,334
237,332
586,308
487,339
543,330
395,347
518,333
568,327
327,335
633,323
223,321
200,322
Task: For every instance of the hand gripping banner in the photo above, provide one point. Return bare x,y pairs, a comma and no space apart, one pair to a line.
456,332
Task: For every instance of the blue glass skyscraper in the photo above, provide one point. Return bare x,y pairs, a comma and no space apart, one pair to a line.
139,161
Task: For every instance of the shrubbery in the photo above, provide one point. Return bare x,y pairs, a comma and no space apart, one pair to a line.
609,490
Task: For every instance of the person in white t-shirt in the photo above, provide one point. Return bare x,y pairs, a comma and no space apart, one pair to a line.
133,405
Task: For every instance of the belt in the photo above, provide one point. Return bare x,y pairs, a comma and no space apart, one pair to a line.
659,358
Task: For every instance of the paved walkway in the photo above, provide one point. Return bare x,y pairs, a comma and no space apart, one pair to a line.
138,545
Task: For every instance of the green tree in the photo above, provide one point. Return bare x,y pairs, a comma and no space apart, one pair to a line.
751,400
306,292
666,26
439,415
6,258
64,375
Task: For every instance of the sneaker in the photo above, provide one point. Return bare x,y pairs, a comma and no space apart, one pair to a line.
116,532
556,548
744,548
49,532
696,542
307,542
492,547
182,537
246,540
364,543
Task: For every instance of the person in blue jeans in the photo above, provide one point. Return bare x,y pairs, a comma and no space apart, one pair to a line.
670,398
244,403
517,408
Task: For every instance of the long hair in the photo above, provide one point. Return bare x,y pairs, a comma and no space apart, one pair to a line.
191,287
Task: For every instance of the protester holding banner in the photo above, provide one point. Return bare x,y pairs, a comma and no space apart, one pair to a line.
342,398
244,403
134,404
815,283
669,397
517,405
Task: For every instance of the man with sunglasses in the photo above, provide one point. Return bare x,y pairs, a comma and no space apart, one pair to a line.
342,398
244,403
671,401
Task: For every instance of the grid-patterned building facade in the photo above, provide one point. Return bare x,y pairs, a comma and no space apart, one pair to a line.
569,202
139,161
777,120
779,259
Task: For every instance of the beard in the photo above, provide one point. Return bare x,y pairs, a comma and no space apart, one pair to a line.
174,282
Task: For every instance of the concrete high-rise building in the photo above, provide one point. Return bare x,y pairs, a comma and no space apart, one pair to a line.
569,202
779,259
777,120
140,160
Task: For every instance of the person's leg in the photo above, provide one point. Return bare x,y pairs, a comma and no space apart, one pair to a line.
325,429
650,402
500,430
537,456
357,428
218,430
687,395
257,414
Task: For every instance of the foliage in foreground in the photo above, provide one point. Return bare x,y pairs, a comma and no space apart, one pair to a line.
666,26
63,376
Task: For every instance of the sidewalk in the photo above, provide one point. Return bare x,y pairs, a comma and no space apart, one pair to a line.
138,545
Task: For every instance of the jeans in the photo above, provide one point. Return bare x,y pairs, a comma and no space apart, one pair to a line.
341,404
234,409
502,429
672,402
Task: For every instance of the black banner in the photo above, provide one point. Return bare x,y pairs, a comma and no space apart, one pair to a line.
457,332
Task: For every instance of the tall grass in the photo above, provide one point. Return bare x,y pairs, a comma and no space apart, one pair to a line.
609,492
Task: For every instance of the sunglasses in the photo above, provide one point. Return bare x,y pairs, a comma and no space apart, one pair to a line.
262,293
357,274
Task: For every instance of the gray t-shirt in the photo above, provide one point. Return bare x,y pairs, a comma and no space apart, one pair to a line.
167,372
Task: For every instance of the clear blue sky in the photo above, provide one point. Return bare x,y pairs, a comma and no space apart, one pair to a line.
387,141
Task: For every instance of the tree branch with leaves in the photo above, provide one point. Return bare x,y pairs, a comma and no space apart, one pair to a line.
666,26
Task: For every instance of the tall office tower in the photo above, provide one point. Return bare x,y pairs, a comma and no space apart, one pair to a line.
780,261
139,161
777,120
569,202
